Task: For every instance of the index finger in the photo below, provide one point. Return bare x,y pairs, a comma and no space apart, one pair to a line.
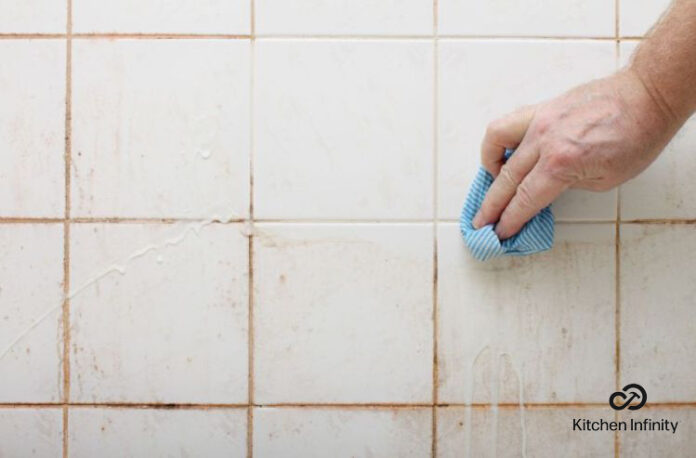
505,185
504,133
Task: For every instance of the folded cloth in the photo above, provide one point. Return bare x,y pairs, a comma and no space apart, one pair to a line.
535,236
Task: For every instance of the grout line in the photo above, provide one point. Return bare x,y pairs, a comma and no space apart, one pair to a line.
32,36
617,23
30,220
435,315
528,37
617,252
159,36
119,220
129,220
250,286
194,36
66,228
245,406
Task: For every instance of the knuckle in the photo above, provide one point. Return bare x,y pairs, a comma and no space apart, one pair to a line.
508,176
561,163
524,195
495,128
542,124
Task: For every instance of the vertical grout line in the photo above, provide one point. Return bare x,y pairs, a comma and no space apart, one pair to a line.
617,252
66,227
435,228
250,286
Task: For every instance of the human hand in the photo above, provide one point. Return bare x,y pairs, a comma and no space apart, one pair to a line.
595,136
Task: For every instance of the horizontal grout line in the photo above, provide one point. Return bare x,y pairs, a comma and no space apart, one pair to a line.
527,37
116,220
339,37
159,36
129,220
32,36
328,37
194,406
30,220
660,221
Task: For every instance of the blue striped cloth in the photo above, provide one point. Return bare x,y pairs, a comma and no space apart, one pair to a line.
535,236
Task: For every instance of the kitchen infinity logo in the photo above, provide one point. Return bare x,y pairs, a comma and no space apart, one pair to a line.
632,397
619,400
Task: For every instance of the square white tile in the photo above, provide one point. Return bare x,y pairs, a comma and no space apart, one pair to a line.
646,444
540,328
159,313
162,16
306,433
157,432
658,284
511,432
343,313
638,16
665,189
161,128
343,129
31,432
587,18
32,127
344,17
33,16
31,298
483,80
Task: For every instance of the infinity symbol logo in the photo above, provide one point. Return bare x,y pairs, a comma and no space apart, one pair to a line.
627,395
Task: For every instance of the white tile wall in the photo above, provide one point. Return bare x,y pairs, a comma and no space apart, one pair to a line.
343,313
657,329
159,313
514,432
31,295
312,129
343,17
162,16
638,16
343,129
665,189
660,443
535,18
305,433
31,432
32,128
483,80
160,128
504,322
33,16
146,432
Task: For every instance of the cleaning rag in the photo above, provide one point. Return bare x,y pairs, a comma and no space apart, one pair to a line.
484,244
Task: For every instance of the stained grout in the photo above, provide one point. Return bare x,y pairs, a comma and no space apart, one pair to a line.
435,315
250,285
338,37
617,251
250,405
337,406
173,220
66,229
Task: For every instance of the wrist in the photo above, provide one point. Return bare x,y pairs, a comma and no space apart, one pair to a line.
649,103
674,105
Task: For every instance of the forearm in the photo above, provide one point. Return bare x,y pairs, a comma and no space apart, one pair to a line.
666,62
